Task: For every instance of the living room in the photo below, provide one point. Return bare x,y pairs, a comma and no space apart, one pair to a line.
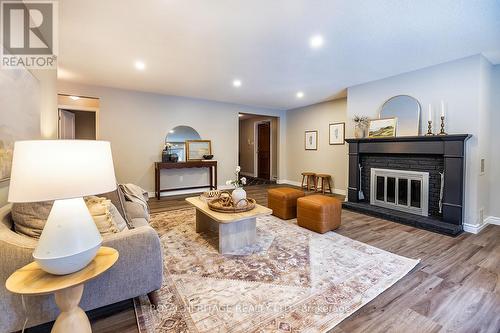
324,166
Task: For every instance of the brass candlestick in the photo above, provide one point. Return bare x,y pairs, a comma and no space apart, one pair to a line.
442,132
429,128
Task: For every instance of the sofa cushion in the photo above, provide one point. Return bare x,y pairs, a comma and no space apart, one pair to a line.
29,218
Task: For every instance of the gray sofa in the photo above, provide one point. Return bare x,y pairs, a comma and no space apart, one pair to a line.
138,271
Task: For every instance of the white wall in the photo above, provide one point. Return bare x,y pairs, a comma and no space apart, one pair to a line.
136,124
330,159
458,83
494,165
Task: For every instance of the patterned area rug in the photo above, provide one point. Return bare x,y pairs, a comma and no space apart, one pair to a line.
292,280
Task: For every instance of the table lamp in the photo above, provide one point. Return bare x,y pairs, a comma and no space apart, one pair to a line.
64,171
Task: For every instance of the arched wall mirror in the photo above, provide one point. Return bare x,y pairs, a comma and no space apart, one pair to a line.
407,111
177,137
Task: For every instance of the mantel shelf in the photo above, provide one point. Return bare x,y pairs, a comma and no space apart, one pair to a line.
420,138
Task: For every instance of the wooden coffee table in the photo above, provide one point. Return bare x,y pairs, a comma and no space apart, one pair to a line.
236,230
68,289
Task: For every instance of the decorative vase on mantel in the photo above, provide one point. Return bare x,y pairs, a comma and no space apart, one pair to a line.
238,194
359,131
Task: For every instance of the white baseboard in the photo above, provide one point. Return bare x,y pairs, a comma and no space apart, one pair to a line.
475,229
191,191
294,183
492,220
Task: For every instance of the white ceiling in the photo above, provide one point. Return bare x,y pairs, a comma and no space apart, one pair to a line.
197,47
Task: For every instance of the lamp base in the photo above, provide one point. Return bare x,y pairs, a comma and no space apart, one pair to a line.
69,240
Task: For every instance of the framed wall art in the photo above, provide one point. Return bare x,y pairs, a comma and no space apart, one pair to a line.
337,133
382,128
195,149
311,140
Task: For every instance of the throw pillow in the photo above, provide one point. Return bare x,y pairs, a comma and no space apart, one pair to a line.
99,208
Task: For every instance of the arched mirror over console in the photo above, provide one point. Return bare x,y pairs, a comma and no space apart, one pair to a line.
176,140
407,111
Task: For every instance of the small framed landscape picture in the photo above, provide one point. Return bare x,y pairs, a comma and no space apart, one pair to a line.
311,140
195,149
382,128
337,133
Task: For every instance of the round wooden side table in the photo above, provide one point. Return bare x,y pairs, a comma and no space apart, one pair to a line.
31,280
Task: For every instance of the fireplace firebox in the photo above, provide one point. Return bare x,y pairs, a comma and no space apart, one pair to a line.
417,181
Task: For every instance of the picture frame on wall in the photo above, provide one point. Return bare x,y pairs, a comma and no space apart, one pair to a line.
311,140
195,149
337,134
382,128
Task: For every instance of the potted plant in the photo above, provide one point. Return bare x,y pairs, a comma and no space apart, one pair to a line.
361,123
238,193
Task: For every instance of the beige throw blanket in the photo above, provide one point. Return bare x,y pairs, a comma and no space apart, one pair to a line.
136,194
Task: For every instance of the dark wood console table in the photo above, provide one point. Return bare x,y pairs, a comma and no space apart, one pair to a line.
211,165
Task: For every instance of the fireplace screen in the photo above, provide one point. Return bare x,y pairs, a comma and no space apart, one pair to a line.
406,191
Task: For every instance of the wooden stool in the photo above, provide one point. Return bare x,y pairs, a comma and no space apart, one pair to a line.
307,177
325,180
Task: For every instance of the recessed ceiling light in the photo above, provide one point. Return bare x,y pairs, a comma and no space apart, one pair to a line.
237,83
300,94
316,41
140,65
240,115
171,131
75,98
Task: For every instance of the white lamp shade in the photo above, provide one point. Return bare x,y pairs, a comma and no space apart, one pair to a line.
60,169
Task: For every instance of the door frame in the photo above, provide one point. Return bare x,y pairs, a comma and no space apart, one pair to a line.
255,146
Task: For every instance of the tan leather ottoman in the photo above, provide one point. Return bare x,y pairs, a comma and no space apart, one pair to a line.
319,213
283,201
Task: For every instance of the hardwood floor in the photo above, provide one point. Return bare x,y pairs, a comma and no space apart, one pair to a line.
455,287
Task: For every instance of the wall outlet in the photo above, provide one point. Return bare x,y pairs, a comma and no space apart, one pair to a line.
483,167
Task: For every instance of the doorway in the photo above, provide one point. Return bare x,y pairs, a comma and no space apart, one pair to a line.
263,150
75,124
258,148
78,117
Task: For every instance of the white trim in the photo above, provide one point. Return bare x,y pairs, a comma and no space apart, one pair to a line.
255,145
190,191
294,183
492,220
474,229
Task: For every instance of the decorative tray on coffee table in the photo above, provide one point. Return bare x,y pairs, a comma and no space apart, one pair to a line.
224,204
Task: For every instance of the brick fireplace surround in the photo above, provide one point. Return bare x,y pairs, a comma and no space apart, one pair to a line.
433,154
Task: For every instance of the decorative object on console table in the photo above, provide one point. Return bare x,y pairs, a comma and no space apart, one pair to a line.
337,133
382,128
238,193
311,140
196,149
210,165
66,171
68,289
361,124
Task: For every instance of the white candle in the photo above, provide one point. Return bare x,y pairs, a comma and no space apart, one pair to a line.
442,108
430,112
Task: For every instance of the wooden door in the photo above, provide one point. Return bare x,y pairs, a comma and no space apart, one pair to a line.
264,150
66,125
